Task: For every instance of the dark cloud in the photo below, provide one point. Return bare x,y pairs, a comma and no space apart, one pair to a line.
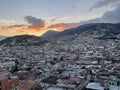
112,16
35,22
17,26
53,20
103,3
108,17
74,6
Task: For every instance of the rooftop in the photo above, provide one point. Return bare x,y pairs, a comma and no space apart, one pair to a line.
4,74
27,85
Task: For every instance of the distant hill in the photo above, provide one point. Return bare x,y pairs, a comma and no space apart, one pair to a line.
2,37
23,40
98,30
49,34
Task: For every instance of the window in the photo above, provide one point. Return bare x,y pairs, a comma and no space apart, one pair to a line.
118,83
0,83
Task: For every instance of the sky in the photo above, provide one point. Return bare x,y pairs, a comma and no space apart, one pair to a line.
35,17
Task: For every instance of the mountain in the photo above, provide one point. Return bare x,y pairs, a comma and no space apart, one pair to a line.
2,37
98,30
23,40
93,30
49,34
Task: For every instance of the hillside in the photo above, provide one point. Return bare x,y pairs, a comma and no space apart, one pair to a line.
98,30
49,34
23,40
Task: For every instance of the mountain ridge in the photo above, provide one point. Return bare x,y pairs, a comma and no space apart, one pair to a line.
2,37
94,30
100,29
23,40
49,34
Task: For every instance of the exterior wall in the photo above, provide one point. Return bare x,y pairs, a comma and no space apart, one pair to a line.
12,84
112,87
4,84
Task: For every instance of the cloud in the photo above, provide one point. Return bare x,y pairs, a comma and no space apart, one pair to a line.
32,28
11,27
17,26
61,18
112,16
103,3
108,17
38,26
63,26
35,22
12,30
6,22
96,20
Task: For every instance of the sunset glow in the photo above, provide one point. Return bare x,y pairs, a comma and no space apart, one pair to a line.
37,17
21,29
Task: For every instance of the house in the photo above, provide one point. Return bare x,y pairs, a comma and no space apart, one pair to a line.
7,83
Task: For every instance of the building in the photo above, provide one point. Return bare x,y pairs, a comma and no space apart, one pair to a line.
7,83
73,83
114,84
94,86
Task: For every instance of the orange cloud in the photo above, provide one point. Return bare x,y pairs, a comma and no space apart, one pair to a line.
62,26
13,27
36,26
